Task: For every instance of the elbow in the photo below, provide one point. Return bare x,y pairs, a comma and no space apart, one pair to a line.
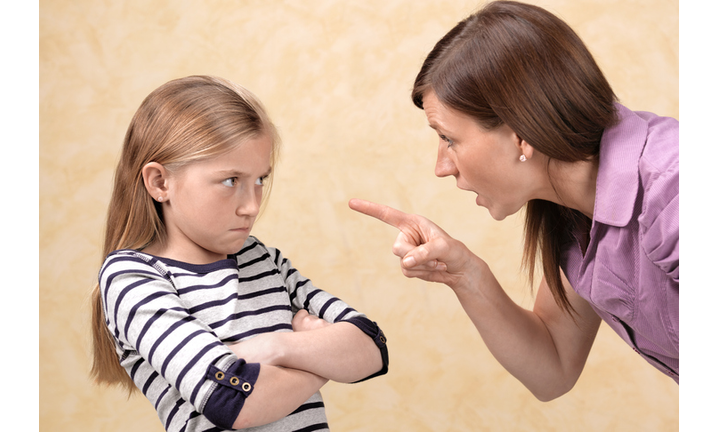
377,366
548,393
547,396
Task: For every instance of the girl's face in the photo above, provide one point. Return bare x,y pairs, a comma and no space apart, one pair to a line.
211,205
483,161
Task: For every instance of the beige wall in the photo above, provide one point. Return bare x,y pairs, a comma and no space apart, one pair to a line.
335,76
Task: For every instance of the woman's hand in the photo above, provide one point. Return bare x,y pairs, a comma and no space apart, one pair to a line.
426,251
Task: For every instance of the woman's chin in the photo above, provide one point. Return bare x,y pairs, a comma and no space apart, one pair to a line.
496,213
492,210
497,216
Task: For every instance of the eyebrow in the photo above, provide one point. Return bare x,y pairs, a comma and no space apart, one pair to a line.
235,173
437,128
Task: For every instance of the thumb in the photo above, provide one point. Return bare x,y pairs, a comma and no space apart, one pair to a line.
429,255
417,256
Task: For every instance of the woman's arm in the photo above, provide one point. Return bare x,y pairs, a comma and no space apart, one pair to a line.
340,352
544,348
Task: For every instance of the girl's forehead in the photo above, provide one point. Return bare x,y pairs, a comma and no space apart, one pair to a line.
248,155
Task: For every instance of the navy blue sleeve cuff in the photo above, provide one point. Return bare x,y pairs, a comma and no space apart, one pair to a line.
234,386
371,329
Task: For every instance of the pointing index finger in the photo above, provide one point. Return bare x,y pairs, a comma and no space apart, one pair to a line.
382,212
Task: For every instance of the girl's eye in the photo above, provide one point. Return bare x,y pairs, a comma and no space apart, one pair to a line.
260,181
230,182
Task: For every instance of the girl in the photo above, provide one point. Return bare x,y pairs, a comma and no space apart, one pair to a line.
216,329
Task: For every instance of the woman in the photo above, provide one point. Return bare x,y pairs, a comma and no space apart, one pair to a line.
525,117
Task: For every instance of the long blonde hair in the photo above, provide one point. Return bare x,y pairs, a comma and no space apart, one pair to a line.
183,121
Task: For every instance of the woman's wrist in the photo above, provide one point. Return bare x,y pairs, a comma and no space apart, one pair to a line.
475,274
465,268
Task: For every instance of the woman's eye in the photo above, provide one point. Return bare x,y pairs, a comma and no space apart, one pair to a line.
230,182
260,181
447,140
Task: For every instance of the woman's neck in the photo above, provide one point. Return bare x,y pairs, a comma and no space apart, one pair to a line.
575,184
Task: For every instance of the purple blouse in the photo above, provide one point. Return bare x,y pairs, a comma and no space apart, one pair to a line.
630,270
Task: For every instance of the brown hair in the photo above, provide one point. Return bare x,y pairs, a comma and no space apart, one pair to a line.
183,121
517,64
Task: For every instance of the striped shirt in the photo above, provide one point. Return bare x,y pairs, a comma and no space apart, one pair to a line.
172,320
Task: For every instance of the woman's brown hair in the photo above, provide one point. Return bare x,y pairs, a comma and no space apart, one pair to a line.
517,64
183,121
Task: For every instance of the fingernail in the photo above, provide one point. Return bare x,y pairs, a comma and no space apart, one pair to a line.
409,261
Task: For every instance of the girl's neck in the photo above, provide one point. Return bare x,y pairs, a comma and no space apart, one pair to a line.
183,254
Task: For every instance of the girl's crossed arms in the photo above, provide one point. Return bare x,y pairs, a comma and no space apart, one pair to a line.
215,328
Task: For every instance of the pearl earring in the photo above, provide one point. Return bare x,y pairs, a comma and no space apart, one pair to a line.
523,158
159,199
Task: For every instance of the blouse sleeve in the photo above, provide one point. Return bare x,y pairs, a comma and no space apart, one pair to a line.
659,172
145,315
304,295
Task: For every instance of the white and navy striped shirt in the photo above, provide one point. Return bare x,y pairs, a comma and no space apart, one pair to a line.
171,321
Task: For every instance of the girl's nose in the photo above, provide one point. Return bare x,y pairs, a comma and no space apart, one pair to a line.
445,166
250,200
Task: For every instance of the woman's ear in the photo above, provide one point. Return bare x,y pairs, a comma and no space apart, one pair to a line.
525,149
155,177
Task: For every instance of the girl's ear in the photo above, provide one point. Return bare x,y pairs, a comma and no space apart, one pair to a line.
155,178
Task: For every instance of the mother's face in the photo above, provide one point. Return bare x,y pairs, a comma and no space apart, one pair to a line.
486,162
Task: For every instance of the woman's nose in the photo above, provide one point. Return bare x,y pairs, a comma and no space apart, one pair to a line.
445,166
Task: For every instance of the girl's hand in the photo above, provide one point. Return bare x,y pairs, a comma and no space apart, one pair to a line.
427,252
269,348
303,321
265,348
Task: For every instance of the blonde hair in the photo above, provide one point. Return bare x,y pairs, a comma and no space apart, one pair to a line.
183,121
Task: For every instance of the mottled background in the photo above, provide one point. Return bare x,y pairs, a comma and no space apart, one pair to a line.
336,78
